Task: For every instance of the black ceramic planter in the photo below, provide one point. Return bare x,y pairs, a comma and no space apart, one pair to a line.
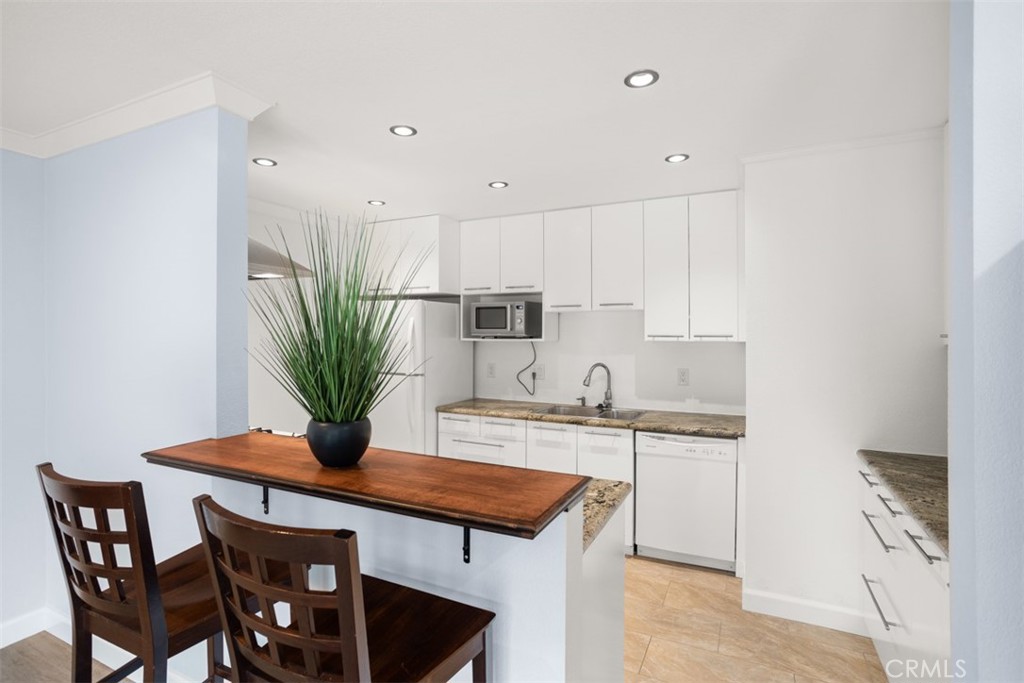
338,444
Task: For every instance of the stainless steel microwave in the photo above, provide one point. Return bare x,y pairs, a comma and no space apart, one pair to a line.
516,319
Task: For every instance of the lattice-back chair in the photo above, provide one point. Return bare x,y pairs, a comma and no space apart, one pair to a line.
362,629
117,590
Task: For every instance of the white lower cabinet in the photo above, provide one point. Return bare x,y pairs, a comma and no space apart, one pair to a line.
551,447
607,453
904,577
482,439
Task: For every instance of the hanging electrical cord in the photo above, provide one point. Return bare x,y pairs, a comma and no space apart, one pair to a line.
533,375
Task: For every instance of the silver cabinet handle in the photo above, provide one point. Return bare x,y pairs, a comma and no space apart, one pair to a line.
885,502
566,305
870,483
914,539
500,424
625,304
480,443
885,622
550,429
380,289
455,419
714,336
520,286
419,287
666,336
885,546
476,289
602,434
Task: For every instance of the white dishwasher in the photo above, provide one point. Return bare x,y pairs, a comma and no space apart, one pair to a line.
686,499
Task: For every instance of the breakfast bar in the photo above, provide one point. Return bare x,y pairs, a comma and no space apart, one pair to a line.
505,539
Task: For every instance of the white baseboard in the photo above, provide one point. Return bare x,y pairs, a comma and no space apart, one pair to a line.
102,651
803,610
13,630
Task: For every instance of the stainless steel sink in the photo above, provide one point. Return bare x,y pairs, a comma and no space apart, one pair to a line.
575,411
616,414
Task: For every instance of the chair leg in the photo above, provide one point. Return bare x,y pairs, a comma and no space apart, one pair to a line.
481,662
81,653
215,658
154,667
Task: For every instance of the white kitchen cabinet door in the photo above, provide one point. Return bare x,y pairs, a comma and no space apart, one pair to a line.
551,447
617,256
480,256
567,260
482,449
522,253
714,267
386,240
607,453
419,240
666,269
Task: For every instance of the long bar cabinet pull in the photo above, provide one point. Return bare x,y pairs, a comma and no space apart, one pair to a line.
885,622
480,443
885,502
914,539
871,484
885,546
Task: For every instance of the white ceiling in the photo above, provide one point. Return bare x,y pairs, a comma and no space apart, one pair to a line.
530,93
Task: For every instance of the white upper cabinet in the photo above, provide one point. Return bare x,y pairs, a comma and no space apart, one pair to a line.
666,264
617,255
567,260
481,256
401,243
522,253
714,266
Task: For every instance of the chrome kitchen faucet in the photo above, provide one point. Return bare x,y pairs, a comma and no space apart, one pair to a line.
607,405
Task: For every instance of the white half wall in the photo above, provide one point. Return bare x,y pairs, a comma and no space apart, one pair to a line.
643,373
986,410
844,264
22,408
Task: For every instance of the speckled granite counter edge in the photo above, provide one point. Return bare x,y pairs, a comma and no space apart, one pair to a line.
602,499
929,508
661,421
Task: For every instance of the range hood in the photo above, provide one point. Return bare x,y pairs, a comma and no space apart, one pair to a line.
267,264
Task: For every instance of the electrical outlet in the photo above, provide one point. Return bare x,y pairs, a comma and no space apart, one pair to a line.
683,377
492,370
539,370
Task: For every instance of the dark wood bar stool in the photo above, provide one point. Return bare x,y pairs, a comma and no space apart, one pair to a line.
365,629
117,591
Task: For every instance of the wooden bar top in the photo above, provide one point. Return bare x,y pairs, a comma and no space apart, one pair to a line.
505,500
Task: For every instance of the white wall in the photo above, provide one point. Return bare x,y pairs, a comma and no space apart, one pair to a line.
986,349
844,253
22,409
643,373
142,330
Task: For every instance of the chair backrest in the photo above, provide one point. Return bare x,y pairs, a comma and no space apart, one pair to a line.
102,536
260,568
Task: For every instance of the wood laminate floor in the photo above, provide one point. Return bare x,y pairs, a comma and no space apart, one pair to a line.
683,624
687,624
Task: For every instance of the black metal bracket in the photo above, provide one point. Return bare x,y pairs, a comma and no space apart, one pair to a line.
266,500
465,544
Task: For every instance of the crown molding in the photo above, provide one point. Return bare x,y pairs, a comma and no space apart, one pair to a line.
185,97
899,138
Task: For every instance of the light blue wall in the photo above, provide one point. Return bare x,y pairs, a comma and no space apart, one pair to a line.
22,281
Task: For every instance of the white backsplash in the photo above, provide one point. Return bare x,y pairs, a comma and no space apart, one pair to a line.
644,374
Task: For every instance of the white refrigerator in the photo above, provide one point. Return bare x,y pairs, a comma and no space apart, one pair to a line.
438,370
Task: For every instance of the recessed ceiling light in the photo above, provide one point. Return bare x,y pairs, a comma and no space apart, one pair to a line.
642,78
263,161
375,202
403,131
677,158
498,184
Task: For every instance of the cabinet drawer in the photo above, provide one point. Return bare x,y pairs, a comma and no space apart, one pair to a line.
503,429
551,447
605,440
450,423
481,449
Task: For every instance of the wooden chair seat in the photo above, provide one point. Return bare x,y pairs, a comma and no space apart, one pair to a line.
364,629
117,590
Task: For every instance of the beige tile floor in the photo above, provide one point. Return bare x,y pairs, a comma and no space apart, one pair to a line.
687,624
683,625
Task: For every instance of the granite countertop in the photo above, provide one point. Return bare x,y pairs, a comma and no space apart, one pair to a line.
603,497
664,421
920,484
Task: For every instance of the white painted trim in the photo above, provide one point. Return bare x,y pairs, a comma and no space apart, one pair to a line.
899,138
185,97
19,628
806,611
